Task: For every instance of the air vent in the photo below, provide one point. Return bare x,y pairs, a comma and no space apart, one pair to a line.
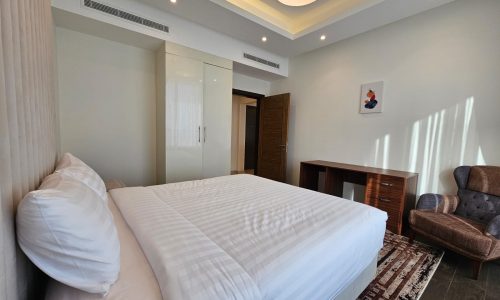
125,15
261,60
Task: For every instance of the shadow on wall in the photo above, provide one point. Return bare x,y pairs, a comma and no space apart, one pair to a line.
435,146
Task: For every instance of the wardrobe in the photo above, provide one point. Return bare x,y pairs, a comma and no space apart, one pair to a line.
193,121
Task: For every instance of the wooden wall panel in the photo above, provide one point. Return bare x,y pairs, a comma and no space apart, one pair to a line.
28,126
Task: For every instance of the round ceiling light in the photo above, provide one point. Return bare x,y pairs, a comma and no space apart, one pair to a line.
296,2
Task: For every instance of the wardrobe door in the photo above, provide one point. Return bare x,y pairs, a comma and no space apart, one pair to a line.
183,118
217,108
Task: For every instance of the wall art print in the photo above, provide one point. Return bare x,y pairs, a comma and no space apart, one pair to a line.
371,97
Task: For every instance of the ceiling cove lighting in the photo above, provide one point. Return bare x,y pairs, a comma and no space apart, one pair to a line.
296,2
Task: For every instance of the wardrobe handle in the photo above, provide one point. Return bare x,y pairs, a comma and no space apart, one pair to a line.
199,134
384,199
204,134
386,184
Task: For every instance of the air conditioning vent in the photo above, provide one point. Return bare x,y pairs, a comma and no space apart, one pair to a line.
261,60
125,15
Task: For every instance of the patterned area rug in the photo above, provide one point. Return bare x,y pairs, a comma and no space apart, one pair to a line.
403,270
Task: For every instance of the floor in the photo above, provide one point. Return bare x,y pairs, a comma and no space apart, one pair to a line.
452,280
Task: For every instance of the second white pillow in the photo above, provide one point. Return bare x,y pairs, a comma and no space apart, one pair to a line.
73,167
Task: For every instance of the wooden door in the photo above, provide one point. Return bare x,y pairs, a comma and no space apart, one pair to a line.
273,137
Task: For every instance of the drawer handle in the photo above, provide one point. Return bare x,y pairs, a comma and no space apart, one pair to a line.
386,184
384,199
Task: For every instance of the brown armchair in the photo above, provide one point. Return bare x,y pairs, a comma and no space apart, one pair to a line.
468,223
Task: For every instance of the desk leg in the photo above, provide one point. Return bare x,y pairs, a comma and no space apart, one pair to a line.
334,183
308,177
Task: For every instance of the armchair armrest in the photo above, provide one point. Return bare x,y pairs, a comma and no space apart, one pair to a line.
438,203
493,227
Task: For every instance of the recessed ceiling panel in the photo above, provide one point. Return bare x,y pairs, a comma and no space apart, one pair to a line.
289,30
295,21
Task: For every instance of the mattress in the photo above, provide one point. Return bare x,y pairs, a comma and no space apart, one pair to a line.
246,237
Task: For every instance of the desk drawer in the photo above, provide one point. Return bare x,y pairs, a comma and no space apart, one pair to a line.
386,203
386,187
393,214
391,187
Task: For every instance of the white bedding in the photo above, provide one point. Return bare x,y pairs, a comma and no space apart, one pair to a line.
245,237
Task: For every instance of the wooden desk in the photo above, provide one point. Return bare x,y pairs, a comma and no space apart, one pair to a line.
389,190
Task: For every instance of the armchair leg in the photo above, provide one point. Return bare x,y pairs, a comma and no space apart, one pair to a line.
476,268
411,235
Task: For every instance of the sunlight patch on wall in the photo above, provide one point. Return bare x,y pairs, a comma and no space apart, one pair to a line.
480,157
377,148
469,103
415,133
425,163
385,162
439,154
433,147
436,144
450,139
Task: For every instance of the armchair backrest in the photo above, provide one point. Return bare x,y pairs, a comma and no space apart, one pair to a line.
479,192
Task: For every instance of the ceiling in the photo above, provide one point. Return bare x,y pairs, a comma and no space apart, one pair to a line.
291,31
294,22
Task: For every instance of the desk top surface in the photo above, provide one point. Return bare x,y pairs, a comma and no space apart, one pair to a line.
357,168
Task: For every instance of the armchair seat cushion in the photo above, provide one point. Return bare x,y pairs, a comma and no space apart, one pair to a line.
457,231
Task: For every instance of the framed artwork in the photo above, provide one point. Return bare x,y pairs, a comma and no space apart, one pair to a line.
371,97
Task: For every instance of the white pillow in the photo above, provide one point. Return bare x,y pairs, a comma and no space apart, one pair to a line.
71,166
69,233
69,160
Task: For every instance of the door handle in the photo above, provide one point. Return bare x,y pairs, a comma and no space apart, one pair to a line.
204,134
199,134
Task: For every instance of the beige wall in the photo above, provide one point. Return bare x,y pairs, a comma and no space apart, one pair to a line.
441,108
107,105
238,131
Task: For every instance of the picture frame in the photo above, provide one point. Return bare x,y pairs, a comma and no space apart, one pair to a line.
371,100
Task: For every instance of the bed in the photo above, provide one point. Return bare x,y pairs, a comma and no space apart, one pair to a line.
239,237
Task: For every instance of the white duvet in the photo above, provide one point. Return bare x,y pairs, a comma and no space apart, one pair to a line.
245,237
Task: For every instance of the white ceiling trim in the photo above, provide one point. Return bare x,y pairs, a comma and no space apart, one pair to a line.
278,25
293,26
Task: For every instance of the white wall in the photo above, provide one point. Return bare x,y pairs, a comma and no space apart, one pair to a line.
251,84
182,32
107,105
442,98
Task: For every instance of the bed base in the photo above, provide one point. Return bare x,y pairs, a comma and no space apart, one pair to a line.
359,284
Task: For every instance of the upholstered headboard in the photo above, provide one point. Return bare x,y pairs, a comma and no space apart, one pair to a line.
28,126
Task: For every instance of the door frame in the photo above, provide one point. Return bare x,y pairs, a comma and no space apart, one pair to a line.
257,97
